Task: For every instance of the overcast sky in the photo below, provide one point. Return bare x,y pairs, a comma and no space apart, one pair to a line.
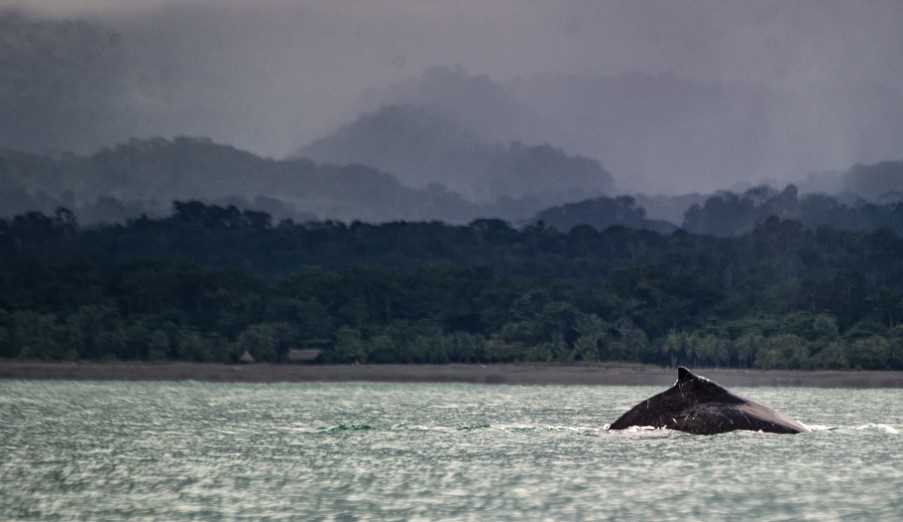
281,73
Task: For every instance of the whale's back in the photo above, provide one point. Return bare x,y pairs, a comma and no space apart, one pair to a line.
697,405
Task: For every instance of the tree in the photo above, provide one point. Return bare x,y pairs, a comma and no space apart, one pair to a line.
746,347
37,336
111,343
158,346
675,348
783,351
349,348
869,353
7,348
265,341
591,334
192,346
833,356
825,327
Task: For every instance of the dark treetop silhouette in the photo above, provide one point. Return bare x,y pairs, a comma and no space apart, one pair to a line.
209,283
697,405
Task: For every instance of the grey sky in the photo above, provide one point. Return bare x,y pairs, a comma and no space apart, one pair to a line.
271,75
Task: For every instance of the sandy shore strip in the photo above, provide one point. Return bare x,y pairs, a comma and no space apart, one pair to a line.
608,374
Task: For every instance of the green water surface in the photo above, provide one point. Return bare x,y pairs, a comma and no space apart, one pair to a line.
198,451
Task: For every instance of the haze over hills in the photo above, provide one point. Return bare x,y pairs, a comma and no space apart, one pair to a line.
602,213
664,132
436,142
477,102
642,125
696,97
146,176
423,147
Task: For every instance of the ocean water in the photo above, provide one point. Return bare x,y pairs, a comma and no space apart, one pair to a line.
199,451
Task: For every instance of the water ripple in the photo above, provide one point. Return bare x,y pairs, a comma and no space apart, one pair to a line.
196,451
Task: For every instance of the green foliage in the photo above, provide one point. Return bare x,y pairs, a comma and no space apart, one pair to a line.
39,336
833,356
592,333
193,346
350,348
783,351
266,341
870,353
210,283
159,345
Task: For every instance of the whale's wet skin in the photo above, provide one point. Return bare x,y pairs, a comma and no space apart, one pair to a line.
697,405
192,451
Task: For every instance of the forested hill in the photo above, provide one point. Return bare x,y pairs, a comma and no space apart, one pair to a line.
210,282
729,214
602,213
422,146
145,176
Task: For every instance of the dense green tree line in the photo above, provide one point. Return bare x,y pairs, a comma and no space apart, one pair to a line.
210,282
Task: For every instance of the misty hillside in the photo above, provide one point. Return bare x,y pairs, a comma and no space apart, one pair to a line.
881,181
732,214
643,126
479,103
421,146
665,132
602,213
670,208
147,175
824,198
662,118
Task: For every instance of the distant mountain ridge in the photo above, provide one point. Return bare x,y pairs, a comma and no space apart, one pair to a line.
148,175
422,146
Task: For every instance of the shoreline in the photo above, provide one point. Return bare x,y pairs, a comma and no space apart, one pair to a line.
520,374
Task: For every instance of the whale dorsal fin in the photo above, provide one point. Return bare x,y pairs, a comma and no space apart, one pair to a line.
701,388
685,375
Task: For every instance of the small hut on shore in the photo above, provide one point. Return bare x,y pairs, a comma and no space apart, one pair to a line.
246,358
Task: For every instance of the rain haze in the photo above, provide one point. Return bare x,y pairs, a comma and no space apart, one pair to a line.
670,96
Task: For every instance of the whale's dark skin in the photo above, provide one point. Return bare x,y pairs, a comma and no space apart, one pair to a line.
697,405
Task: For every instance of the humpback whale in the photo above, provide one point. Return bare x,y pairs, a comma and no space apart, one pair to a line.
697,405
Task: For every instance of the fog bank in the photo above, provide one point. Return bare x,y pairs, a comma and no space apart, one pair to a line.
671,96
